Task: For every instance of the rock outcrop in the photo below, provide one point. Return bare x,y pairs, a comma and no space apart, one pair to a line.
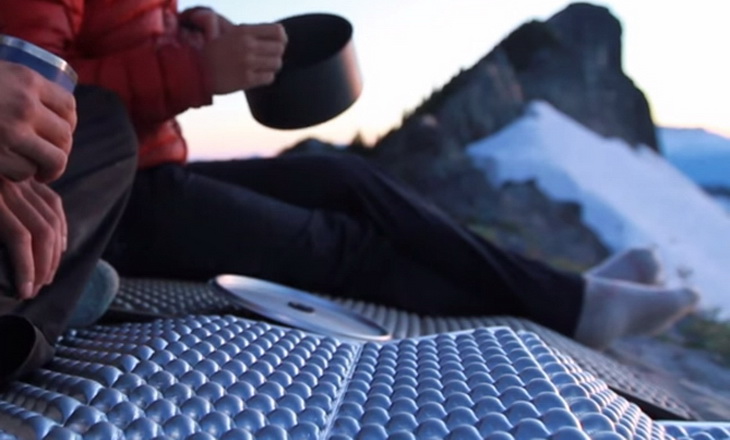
572,61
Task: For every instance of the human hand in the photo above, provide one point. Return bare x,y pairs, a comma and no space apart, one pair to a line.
207,21
37,120
245,57
33,229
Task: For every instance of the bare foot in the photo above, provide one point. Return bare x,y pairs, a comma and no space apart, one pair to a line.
639,265
615,308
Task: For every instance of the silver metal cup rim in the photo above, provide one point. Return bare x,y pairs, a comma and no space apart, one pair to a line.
46,56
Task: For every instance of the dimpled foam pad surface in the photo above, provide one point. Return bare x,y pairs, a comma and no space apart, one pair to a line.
177,298
206,377
197,377
697,431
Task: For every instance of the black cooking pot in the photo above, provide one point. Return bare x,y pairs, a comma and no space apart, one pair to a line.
319,78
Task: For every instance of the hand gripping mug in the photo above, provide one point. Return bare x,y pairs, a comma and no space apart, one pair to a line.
52,67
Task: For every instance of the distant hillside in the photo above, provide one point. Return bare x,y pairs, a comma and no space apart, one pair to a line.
700,154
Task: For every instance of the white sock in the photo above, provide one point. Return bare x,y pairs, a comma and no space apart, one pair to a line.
615,308
639,265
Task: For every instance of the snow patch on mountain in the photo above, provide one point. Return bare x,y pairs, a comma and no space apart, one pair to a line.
630,196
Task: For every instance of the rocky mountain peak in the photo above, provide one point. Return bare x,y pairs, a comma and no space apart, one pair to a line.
597,30
573,62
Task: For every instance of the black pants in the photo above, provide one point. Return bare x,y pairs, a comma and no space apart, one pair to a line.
335,225
94,190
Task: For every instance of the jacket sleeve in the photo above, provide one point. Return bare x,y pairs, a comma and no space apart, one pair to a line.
51,24
156,81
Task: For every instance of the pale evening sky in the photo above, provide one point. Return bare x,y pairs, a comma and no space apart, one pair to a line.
676,52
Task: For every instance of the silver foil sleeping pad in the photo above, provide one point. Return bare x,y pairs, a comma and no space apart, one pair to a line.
207,377
179,298
203,377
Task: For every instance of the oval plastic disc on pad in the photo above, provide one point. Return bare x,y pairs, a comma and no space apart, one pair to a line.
298,309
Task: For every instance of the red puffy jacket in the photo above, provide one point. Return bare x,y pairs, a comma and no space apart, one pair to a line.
133,47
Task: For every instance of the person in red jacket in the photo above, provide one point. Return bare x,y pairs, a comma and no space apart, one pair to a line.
332,224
